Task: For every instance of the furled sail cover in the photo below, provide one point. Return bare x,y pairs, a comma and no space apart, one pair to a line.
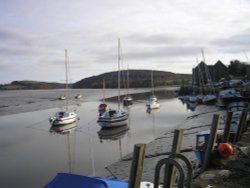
64,180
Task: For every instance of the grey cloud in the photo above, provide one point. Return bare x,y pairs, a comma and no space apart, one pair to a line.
165,52
14,36
234,44
10,51
158,39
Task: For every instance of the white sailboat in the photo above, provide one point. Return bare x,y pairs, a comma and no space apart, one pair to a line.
152,102
65,116
103,106
114,118
127,100
78,96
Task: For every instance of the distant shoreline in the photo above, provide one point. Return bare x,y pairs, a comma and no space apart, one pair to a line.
22,101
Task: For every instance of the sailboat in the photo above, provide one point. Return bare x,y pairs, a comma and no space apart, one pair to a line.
211,97
65,116
152,102
114,118
127,100
103,106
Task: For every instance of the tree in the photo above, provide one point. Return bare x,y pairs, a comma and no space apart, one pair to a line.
237,68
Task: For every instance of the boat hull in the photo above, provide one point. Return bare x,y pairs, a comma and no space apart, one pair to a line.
153,106
63,129
127,102
63,118
107,121
64,121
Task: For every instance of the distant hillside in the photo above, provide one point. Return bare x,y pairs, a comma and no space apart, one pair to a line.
31,85
138,78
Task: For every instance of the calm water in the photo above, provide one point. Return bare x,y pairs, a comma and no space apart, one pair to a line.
31,154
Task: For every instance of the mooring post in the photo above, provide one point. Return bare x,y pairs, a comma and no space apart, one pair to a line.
227,127
245,125
137,166
211,141
170,171
241,124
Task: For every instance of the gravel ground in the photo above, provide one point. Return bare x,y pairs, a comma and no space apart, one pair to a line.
160,148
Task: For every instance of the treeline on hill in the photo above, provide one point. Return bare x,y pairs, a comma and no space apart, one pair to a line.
31,85
137,79
237,68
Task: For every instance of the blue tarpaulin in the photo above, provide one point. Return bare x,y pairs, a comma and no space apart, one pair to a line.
64,180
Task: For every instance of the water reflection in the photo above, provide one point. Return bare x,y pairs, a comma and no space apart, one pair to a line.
67,130
139,97
152,111
112,133
191,106
63,129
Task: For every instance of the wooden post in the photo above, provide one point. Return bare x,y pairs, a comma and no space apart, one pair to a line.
227,127
211,141
247,117
245,125
241,124
170,171
137,166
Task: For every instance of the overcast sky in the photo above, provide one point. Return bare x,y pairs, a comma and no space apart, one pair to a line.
164,35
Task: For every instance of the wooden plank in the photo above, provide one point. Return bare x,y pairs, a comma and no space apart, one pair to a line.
170,171
241,124
227,127
211,142
137,166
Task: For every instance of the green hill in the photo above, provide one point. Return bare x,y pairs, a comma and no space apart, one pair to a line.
26,84
137,79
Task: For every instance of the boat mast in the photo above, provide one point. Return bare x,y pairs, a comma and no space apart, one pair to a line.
119,74
209,80
66,74
103,89
152,82
127,81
